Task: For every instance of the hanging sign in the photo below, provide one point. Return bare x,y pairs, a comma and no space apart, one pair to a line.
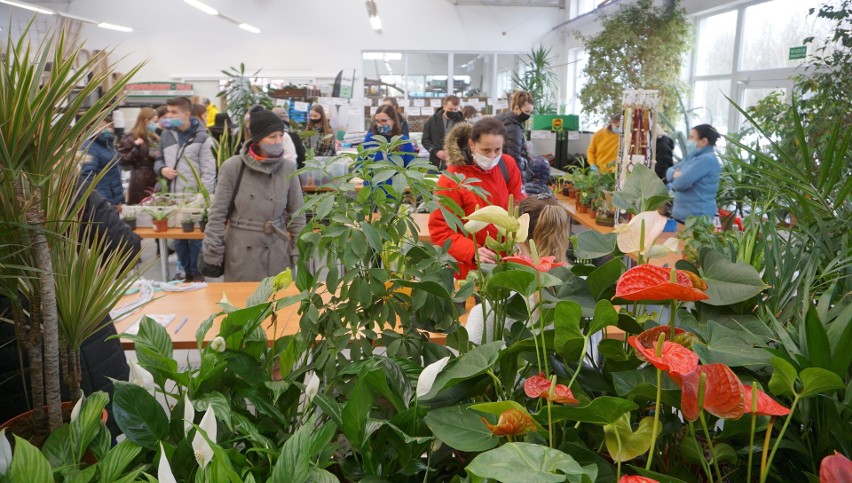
798,52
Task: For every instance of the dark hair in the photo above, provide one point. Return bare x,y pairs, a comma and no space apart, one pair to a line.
520,99
487,125
200,112
390,112
615,118
451,100
161,111
393,101
469,111
181,103
708,132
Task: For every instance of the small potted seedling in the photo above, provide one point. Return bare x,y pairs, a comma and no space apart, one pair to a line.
129,219
202,222
159,218
187,223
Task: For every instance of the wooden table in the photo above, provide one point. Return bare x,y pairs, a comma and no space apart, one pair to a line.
162,236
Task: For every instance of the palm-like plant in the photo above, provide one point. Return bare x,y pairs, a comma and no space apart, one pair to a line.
240,94
42,126
539,79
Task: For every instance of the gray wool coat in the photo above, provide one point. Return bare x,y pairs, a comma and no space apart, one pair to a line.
268,194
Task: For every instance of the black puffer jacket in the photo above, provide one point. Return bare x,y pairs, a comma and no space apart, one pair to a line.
433,136
515,144
665,156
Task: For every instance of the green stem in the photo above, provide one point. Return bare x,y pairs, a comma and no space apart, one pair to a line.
766,440
765,473
497,384
550,421
580,362
618,456
673,308
541,324
656,419
710,446
704,464
751,446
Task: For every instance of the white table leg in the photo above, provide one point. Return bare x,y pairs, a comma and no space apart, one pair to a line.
164,258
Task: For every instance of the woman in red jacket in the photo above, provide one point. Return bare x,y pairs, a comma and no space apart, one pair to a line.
476,152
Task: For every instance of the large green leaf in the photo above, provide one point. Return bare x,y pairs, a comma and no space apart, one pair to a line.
643,191
725,346
643,382
28,464
461,428
139,415
525,462
591,244
605,316
568,337
784,377
474,363
117,460
727,282
355,413
602,410
294,460
819,350
816,380
631,444
518,280
88,422
605,277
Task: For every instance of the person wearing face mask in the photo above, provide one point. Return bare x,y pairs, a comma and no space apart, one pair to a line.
603,149
255,234
102,156
137,151
400,116
322,140
695,180
437,127
297,150
475,151
185,142
520,110
385,125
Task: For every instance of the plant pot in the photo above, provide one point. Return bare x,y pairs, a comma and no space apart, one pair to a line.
22,424
604,221
131,224
572,192
566,191
202,225
160,225
187,227
581,208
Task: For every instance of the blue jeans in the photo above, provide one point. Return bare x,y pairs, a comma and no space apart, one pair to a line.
187,253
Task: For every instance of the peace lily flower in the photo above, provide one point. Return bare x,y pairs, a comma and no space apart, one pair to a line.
218,344
512,422
5,453
188,414
203,450
164,471
75,413
501,219
141,377
311,386
427,377
630,235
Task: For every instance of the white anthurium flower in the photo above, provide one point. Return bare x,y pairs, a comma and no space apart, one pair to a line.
203,450
630,235
427,377
75,413
5,453
311,386
473,227
188,414
218,344
669,246
494,215
523,231
164,471
141,377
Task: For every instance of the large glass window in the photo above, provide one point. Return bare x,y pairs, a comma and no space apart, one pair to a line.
383,74
472,74
710,105
715,49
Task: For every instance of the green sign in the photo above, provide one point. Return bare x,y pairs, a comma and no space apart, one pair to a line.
798,52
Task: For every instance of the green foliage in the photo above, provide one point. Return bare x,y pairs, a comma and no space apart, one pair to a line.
539,79
641,46
241,94
523,462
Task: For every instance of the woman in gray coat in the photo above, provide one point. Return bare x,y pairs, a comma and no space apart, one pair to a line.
258,240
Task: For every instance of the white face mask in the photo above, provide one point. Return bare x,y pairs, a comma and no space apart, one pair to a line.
484,162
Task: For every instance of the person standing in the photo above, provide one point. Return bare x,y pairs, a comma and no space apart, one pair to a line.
322,140
664,152
102,156
603,150
695,180
183,143
475,151
385,125
437,127
298,145
211,111
520,110
400,116
255,237
138,150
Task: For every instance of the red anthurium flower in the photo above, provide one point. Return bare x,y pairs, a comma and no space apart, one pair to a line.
766,406
835,469
545,264
512,423
650,282
539,386
675,359
723,392
636,479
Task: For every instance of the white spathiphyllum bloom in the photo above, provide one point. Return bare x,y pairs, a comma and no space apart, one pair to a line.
427,377
141,377
188,414
490,215
5,453
203,450
629,235
311,386
75,413
218,344
164,471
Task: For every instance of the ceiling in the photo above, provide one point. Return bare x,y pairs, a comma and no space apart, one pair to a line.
512,3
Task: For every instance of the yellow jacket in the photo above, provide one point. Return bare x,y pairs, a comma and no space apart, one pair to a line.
211,114
603,150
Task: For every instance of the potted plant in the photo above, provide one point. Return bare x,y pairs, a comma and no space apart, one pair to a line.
187,224
159,218
583,201
129,219
202,222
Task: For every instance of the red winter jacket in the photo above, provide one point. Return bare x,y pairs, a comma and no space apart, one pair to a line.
492,182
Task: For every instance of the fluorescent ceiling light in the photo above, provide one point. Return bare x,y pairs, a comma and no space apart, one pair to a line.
249,28
376,23
110,26
27,6
203,7
75,17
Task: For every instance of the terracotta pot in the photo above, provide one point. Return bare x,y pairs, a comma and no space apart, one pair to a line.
23,421
582,208
160,225
572,193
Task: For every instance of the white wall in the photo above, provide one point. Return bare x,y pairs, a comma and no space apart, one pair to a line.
312,39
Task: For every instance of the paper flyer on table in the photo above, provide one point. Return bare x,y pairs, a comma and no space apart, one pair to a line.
162,319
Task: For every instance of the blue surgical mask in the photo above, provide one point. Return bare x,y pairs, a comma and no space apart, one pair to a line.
168,122
616,130
384,130
690,147
152,126
106,135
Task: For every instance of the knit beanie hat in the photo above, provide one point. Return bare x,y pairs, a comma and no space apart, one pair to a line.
262,123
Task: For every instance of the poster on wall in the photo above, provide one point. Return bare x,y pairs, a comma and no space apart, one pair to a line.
344,84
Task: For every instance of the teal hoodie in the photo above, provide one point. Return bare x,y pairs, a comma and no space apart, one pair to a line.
696,187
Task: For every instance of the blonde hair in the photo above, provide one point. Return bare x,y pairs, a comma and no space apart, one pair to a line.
140,129
548,226
520,99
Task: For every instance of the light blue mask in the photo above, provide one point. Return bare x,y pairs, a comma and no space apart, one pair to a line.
384,130
616,130
690,147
